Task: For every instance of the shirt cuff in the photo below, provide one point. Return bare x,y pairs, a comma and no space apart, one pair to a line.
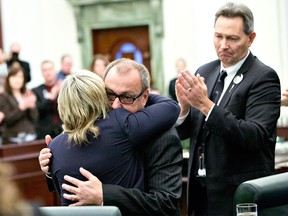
209,112
181,119
48,175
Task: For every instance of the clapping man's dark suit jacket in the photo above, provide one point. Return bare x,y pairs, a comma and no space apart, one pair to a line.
49,121
241,132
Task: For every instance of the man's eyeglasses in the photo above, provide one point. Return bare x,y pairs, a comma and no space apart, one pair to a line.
124,99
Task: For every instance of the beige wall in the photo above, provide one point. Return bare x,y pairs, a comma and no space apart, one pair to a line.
190,23
46,29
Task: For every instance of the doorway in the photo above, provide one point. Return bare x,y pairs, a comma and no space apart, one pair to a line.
130,42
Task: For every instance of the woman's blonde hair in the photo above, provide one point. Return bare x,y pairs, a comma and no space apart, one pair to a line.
82,101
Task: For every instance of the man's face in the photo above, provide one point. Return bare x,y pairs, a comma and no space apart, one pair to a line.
49,72
66,65
128,84
230,41
99,67
15,48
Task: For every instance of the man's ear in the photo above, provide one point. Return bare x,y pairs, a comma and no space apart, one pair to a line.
145,96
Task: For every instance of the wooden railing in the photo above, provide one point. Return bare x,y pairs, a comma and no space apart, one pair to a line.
28,175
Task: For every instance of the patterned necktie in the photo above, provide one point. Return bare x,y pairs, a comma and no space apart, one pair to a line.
219,87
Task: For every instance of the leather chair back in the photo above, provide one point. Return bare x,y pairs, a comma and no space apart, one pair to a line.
270,193
80,210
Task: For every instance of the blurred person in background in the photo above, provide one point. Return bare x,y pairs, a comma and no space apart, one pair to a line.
3,69
66,67
180,66
14,59
19,106
47,93
99,64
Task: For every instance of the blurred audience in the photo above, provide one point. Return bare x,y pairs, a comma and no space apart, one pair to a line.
66,67
180,66
99,64
15,61
47,93
19,106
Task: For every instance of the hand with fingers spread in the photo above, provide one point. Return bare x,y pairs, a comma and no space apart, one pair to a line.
84,192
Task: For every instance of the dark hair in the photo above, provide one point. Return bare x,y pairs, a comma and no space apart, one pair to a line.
232,10
12,72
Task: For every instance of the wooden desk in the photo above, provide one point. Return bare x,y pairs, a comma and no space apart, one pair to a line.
28,175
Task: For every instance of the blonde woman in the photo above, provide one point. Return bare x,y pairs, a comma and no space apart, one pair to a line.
102,140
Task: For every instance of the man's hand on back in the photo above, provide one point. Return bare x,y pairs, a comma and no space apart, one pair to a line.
84,192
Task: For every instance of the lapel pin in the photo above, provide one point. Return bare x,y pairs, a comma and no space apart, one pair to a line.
238,79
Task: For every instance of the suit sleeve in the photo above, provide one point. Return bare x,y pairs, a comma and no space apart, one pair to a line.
163,181
160,115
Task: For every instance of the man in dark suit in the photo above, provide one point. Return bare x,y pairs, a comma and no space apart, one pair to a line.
162,161
15,50
47,93
233,139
